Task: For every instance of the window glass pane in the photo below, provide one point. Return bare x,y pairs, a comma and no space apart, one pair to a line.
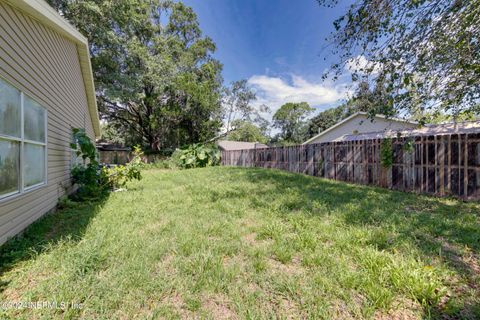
34,118
9,166
34,163
9,110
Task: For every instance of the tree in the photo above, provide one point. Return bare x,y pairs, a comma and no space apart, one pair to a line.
247,131
110,133
237,100
426,52
156,80
290,120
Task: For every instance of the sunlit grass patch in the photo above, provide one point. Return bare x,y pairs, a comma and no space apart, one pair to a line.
249,243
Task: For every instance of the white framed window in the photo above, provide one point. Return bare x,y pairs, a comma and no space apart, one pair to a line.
23,142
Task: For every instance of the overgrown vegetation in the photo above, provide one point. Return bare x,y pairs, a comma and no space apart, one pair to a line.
93,181
118,176
409,145
386,153
249,243
197,156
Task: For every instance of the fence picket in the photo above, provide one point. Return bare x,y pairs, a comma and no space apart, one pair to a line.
438,165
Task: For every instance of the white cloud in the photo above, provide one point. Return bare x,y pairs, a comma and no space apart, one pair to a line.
360,64
275,91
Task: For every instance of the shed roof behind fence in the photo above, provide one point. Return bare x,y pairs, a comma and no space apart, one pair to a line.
428,130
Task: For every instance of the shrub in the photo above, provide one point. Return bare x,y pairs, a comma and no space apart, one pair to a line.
386,153
86,175
118,176
94,181
196,156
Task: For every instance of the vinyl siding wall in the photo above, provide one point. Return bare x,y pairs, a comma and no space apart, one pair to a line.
45,66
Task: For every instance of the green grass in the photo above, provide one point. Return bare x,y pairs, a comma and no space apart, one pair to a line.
249,243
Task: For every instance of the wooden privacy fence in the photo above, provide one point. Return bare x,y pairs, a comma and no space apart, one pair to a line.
123,157
439,165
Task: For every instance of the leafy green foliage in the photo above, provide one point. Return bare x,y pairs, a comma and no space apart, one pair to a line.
86,175
290,120
425,52
237,99
197,155
94,181
248,132
409,145
157,82
118,176
386,153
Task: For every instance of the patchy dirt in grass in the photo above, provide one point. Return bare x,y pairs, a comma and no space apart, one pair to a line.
288,309
250,239
466,262
176,301
341,311
403,309
166,265
294,267
237,261
218,307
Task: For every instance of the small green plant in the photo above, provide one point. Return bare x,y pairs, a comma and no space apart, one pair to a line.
65,202
197,156
386,153
94,181
409,145
86,175
118,176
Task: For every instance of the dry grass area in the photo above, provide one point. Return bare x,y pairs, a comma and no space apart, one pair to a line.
233,243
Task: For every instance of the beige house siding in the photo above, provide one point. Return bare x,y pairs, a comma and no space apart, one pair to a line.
45,66
362,124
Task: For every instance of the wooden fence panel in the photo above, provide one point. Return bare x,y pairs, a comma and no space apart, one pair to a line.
438,165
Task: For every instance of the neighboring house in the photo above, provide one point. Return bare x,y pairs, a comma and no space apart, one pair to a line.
225,145
359,123
46,88
437,130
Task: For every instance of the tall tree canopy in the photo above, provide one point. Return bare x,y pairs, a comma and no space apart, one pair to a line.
290,120
427,52
238,101
156,80
247,131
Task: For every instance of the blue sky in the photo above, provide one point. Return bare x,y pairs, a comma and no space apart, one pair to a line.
277,44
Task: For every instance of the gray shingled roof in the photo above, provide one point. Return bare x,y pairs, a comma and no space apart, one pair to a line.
428,130
239,145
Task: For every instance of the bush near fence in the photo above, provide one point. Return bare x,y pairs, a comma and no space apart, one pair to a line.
439,165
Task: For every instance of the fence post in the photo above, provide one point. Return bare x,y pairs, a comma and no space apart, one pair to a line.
465,167
441,158
437,169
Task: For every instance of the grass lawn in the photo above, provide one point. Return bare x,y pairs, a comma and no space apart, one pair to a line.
249,243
